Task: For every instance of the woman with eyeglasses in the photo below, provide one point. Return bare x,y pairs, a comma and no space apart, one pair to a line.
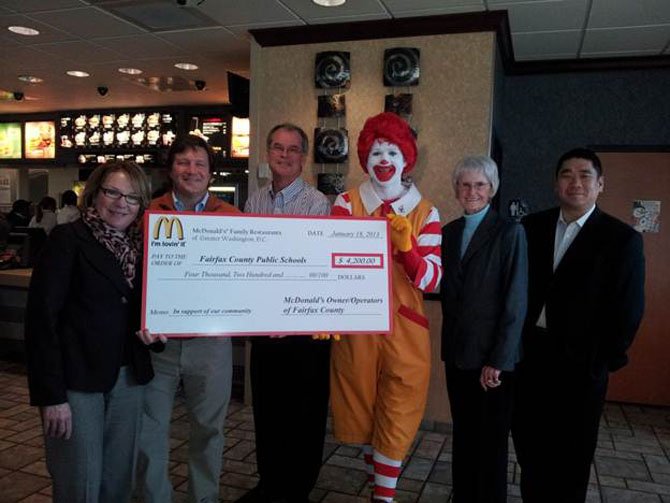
483,294
86,367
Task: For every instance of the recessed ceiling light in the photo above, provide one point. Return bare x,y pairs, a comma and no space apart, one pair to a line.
77,73
329,3
130,71
30,78
186,66
23,30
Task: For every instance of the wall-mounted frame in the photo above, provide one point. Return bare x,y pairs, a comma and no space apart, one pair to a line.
10,140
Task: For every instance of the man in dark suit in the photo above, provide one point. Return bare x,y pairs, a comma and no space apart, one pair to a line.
585,303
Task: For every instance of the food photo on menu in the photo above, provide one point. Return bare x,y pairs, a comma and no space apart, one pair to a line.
40,140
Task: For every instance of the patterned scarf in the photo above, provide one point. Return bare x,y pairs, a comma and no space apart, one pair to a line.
125,246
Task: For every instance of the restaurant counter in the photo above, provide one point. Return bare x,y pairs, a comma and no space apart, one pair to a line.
13,297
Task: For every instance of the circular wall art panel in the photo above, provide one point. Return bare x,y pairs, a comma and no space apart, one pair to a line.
401,67
332,70
331,184
331,145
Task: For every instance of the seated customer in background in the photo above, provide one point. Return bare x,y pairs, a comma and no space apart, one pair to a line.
86,367
69,211
45,215
20,214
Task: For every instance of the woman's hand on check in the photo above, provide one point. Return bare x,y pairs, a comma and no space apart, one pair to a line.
148,338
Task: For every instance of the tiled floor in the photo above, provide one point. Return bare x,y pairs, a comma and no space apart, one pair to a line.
632,463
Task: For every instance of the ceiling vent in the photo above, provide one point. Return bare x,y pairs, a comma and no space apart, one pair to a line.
157,15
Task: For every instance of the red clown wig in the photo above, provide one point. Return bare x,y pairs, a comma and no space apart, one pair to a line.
392,129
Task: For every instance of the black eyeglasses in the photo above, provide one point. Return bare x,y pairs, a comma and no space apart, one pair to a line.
131,199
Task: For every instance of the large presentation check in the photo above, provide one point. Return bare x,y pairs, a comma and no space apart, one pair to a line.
218,274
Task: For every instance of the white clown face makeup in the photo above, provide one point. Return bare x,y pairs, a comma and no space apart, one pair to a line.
385,165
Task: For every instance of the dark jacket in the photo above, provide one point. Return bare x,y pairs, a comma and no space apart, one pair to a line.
594,299
483,294
81,319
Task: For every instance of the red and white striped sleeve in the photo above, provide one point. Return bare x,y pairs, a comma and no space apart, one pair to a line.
423,262
342,206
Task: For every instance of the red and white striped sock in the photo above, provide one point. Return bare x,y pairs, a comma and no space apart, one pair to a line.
369,466
387,471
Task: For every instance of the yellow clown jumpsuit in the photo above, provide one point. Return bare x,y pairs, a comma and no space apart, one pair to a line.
379,383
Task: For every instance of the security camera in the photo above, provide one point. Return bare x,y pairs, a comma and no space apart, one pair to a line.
200,84
18,95
103,90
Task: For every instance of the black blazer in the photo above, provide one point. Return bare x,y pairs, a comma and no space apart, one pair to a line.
81,319
483,294
594,299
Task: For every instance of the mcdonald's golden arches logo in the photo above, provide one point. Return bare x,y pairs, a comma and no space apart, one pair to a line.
170,223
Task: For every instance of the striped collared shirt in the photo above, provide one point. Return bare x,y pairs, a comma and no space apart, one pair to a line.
299,198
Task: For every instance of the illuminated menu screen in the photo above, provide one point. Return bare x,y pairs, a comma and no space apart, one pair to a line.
40,140
10,140
214,130
131,130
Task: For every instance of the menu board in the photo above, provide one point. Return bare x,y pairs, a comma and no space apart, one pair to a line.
94,159
129,130
239,144
10,140
214,130
40,140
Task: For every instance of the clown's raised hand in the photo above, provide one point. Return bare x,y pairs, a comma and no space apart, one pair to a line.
401,232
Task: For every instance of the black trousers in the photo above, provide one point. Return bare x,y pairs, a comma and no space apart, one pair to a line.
290,389
481,425
555,425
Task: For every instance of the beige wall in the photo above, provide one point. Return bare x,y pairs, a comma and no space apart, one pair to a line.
452,113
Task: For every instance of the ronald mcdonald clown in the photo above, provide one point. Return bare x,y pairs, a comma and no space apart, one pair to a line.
379,383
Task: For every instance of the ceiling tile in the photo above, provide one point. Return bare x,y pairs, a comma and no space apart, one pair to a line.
543,15
217,41
619,13
542,45
88,23
79,53
39,5
425,7
247,12
642,39
47,32
141,46
310,12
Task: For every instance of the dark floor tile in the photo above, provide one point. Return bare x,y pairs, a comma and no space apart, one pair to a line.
418,468
18,456
441,473
627,468
36,498
346,462
435,493
37,468
18,485
335,497
614,495
334,478
239,480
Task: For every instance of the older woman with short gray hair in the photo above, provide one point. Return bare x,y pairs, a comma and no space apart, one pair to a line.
483,294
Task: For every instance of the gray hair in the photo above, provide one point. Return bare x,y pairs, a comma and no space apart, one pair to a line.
478,163
287,126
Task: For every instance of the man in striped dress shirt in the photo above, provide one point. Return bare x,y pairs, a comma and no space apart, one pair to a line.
289,376
379,384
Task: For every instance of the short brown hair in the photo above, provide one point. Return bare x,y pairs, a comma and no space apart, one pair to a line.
138,180
189,142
